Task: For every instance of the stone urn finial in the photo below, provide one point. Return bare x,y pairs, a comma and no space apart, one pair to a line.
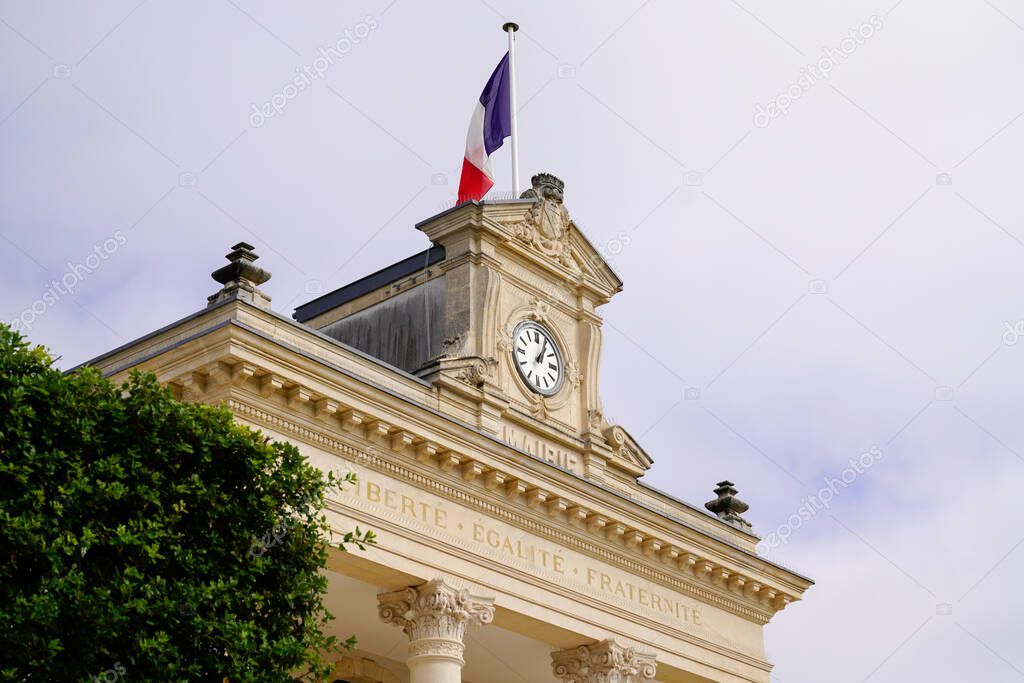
728,507
240,278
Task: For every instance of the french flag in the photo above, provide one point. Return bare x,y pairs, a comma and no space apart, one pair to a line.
490,125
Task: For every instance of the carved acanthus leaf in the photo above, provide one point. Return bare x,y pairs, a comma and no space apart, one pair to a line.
435,610
603,662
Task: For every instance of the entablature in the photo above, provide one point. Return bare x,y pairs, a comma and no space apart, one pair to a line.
249,377
273,374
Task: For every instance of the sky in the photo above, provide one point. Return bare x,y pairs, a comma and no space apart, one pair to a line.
815,207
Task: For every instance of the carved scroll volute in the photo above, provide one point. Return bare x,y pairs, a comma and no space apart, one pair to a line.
435,617
603,662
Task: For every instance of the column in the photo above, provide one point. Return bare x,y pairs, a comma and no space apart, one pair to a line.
603,662
435,616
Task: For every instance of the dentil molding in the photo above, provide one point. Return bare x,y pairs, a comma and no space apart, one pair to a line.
701,577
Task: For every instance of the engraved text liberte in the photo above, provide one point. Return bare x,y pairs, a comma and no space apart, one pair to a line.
520,546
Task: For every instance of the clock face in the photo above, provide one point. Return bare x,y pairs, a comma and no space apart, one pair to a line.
538,358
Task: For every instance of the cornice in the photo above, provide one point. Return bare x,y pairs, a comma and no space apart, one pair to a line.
379,460
602,292
567,305
696,551
683,650
568,520
605,513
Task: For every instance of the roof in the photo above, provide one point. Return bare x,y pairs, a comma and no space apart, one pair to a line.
354,290
176,342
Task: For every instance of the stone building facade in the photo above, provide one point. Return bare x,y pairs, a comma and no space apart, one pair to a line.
516,540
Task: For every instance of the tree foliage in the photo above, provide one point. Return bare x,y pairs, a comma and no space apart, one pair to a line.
151,539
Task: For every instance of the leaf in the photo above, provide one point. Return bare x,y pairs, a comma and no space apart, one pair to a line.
161,535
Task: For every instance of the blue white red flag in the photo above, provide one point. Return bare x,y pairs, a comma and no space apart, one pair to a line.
490,125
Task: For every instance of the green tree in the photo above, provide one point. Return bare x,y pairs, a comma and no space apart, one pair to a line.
151,539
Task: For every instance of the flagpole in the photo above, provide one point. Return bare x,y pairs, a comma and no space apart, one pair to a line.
511,28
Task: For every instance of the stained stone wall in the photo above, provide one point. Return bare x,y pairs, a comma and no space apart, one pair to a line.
405,330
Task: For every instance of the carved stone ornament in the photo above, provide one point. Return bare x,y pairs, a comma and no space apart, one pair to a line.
241,278
728,507
475,374
505,338
539,407
540,310
435,615
618,441
603,662
573,375
547,225
626,448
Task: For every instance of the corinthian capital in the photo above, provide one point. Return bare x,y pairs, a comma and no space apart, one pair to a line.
603,662
435,616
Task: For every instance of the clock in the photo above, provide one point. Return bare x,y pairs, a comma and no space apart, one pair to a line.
537,358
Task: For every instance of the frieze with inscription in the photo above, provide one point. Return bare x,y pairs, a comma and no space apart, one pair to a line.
502,544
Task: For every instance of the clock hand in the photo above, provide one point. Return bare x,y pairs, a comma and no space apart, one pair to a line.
541,354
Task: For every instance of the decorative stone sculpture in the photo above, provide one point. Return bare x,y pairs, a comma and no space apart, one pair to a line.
547,225
603,662
435,617
241,278
728,507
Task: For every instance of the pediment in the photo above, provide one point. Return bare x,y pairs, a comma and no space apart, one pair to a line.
550,235
584,252
627,454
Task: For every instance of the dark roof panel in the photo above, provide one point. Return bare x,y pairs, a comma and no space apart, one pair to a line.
354,290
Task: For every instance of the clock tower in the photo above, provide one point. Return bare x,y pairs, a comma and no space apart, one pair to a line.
500,316
461,385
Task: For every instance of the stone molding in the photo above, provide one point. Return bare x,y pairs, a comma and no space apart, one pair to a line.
692,575
630,457
582,595
695,579
603,662
688,570
437,648
435,616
